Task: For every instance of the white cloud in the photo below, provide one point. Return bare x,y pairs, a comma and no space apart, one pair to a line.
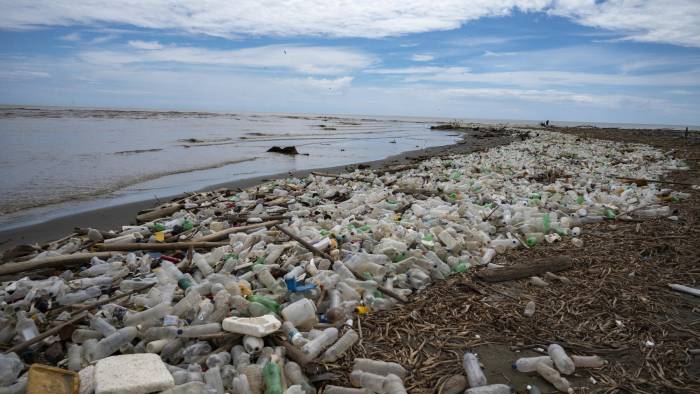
669,21
22,75
539,78
70,37
303,59
145,44
422,58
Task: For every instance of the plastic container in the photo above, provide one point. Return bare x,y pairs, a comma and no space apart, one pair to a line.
529,309
314,347
491,389
588,361
109,345
475,376
554,378
339,348
296,376
529,364
561,360
301,313
379,367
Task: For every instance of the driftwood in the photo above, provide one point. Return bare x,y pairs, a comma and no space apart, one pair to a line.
391,293
51,262
520,271
160,246
158,213
643,181
345,178
224,233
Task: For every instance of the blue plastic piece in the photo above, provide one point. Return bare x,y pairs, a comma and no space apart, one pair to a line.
296,287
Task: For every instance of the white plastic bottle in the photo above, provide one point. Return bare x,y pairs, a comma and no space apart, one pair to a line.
529,309
529,364
314,347
296,376
340,347
379,367
475,376
112,343
588,361
561,360
491,389
552,376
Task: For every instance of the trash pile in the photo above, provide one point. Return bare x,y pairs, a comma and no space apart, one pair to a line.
254,291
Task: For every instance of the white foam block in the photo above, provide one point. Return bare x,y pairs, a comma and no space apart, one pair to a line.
132,374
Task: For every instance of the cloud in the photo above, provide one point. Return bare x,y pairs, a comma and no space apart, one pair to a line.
22,75
138,44
72,37
422,58
302,59
539,78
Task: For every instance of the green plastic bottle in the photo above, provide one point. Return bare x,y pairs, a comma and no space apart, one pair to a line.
267,302
272,376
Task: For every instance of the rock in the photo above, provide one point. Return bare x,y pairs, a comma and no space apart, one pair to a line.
54,353
132,374
287,150
455,384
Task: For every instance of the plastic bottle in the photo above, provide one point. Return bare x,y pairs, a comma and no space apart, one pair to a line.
79,296
254,373
187,304
529,364
202,265
340,347
218,360
475,376
489,254
370,381
561,360
393,385
25,327
194,373
330,389
301,313
293,335
75,357
532,389
101,325
272,377
195,351
156,346
252,345
200,330
379,367
529,309
296,376
554,378
109,345
588,361
314,347
149,316
240,384
491,389
10,367
156,333
213,379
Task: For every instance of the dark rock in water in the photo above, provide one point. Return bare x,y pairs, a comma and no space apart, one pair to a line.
287,150
363,166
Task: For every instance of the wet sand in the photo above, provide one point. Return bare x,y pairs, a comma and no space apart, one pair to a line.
112,217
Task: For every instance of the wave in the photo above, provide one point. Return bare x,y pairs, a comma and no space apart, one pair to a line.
102,191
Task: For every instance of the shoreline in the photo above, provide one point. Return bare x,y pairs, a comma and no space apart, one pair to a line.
108,218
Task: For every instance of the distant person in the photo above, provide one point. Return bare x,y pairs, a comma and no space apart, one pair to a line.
546,123
686,133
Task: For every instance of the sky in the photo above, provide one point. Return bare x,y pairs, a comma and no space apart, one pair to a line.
632,61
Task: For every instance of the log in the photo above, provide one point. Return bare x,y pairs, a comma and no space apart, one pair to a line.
325,255
642,181
224,233
158,213
160,246
51,262
521,271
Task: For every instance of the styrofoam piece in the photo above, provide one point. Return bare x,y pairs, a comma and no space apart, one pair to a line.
254,326
132,374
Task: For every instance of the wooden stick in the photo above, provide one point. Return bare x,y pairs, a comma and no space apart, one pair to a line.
520,271
345,178
325,255
158,213
21,346
160,246
224,233
51,262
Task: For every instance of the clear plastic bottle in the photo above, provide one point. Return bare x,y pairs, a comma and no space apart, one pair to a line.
330,389
240,384
296,376
379,367
25,327
194,373
79,296
588,361
529,364
314,347
213,379
272,377
148,317
554,378
172,348
340,347
200,330
393,385
75,357
187,304
475,376
293,335
254,373
561,360
10,367
157,345
101,325
109,345
218,360
156,333
529,309
202,265
196,350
